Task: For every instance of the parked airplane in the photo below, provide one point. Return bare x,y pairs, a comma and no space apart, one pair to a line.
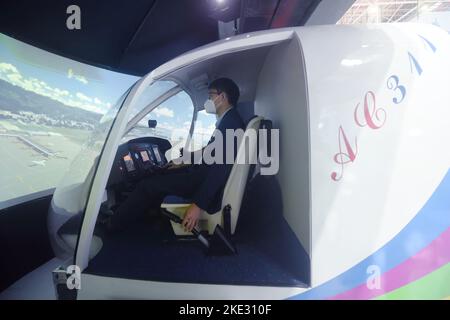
38,163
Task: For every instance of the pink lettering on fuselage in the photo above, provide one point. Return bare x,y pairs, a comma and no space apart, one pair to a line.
371,116
371,113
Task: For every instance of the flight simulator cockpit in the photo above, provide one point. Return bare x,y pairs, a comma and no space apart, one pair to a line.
276,220
137,148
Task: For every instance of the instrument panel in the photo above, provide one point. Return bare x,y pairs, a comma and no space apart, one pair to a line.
143,156
138,158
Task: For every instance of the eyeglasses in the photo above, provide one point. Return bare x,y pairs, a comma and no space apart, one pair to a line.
211,93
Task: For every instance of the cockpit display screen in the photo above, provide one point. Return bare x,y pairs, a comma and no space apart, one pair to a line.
157,155
144,156
129,164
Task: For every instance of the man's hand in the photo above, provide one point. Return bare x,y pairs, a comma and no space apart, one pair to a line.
174,164
170,165
191,217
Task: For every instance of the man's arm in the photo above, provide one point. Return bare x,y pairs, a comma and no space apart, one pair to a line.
192,156
217,174
216,179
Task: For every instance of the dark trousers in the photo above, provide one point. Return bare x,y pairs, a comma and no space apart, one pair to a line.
150,193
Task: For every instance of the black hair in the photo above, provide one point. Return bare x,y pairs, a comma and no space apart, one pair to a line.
229,87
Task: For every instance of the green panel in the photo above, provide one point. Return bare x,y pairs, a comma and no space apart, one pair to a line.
433,286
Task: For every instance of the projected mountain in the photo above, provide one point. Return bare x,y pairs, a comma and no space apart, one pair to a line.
16,99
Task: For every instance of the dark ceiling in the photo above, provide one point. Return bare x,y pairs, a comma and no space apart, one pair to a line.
136,36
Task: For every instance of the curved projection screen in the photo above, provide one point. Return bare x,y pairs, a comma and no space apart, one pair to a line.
48,107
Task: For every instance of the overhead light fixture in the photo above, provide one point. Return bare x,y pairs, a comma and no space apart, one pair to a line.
224,10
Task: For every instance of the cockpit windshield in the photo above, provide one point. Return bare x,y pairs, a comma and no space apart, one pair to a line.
70,197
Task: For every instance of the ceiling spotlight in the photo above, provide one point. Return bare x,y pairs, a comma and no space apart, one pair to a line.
224,10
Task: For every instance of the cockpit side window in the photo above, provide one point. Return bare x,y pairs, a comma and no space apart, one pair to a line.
203,130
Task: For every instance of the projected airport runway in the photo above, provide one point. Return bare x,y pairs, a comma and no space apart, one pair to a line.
33,162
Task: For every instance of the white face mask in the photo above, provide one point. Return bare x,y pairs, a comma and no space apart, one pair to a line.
210,107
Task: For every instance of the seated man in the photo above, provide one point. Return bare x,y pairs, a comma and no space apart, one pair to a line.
202,183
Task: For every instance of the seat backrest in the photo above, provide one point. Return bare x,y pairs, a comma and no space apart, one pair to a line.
237,180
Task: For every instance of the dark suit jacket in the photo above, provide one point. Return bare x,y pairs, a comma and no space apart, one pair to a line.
209,195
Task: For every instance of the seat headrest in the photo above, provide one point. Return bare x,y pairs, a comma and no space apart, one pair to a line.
266,124
252,121
249,120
